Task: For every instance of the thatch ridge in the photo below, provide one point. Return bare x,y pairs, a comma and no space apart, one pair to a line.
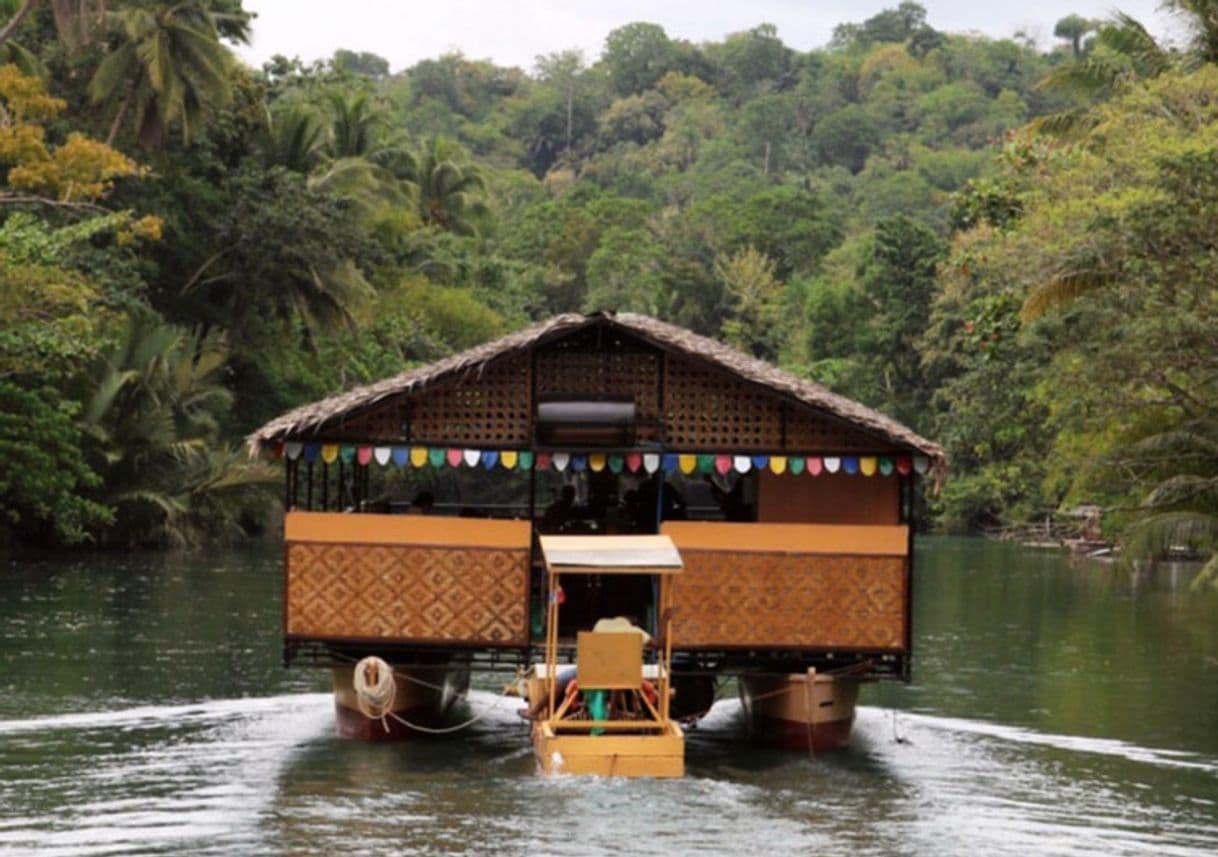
312,417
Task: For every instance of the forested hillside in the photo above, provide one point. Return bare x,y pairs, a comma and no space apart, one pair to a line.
191,246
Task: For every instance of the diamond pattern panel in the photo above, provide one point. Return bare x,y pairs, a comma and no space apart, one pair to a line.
733,599
407,592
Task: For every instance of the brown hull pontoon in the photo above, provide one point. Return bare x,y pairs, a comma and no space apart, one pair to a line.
805,711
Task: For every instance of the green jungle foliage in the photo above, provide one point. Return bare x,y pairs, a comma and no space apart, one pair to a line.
1004,247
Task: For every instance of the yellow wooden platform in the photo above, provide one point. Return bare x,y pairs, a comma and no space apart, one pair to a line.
610,755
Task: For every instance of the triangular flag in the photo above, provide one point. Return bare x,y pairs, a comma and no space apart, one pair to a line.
401,456
867,464
921,464
778,464
277,450
560,461
471,457
382,455
615,463
597,462
904,465
633,462
742,464
796,465
687,463
363,455
436,456
453,457
329,452
526,461
669,462
850,464
292,449
651,462
886,466
311,452
832,463
579,463
419,455
761,462
347,453
815,465
490,458
723,464
508,458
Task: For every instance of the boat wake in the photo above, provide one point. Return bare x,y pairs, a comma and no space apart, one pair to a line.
879,721
265,775
203,712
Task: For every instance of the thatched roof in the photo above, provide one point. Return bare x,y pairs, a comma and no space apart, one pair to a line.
311,418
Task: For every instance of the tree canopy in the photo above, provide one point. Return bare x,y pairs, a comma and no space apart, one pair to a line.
966,232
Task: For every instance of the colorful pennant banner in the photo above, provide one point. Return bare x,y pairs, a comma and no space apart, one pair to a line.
687,463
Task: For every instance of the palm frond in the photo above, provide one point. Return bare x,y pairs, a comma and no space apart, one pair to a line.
1207,577
1184,489
1194,439
104,394
1155,535
1063,289
26,61
1068,124
168,504
1126,36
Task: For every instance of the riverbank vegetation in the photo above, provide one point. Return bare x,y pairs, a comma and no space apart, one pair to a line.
1008,247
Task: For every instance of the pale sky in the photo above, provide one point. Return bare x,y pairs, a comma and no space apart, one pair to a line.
515,32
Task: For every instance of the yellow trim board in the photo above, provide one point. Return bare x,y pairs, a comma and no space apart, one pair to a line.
855,539
364,528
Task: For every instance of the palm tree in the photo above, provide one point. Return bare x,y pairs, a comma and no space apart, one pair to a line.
169,67
152,412
1124,53
1181,508
296,139
354,126
448,188
345,159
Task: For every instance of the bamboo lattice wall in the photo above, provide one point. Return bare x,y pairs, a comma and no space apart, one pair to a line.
407,593
585,365
701,405
737,599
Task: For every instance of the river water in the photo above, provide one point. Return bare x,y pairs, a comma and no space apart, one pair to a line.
1055,710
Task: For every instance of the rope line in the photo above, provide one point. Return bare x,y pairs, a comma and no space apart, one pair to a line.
376,689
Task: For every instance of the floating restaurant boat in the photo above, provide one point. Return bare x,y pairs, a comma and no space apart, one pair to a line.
429,519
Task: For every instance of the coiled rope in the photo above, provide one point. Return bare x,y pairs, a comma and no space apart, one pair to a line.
376,688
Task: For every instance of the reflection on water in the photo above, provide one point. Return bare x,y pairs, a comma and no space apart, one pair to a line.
144,712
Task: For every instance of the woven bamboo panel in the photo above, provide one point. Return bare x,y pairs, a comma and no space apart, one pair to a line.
407,592
727,599
384,422
489,408
806,431
709,409
617,366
